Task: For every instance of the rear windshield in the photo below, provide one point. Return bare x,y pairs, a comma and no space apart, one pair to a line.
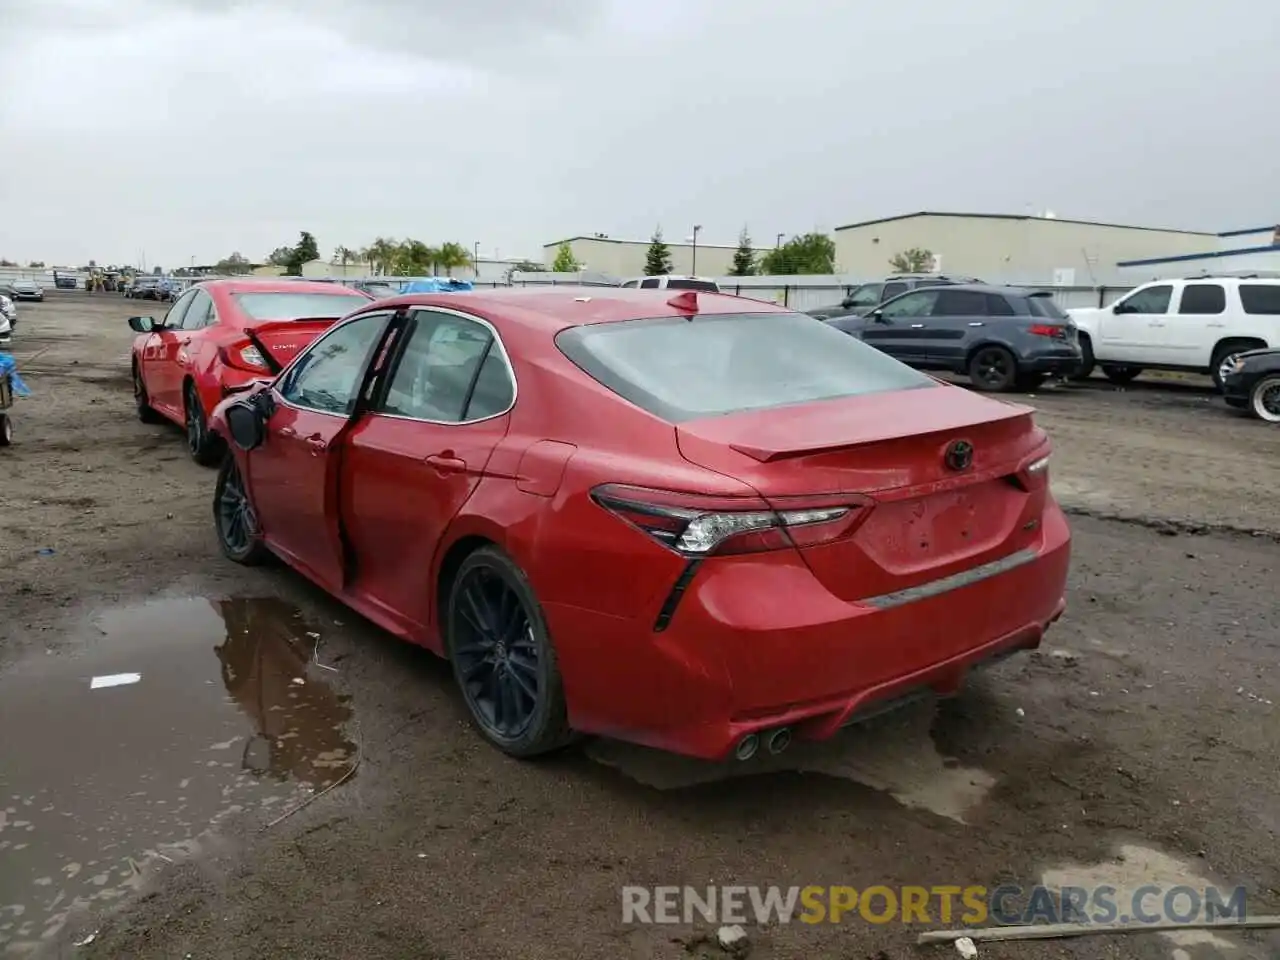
681,369
381,290
1042,305
291,306
680,284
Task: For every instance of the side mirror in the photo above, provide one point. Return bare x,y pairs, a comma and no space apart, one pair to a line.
1120,308
847,302
245,423
144,324
878,316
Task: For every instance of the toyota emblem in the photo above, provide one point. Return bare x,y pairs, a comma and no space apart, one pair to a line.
959,455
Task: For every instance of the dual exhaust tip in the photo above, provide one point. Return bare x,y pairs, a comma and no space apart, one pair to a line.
775,741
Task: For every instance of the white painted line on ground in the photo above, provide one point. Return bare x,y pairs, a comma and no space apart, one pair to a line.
114,680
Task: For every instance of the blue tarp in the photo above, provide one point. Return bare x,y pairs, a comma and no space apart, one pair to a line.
437,285
7,366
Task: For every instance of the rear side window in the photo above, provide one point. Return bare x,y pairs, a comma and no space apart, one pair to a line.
960,303
680,369
1042,305
1203,298
1261,298
650,283
892,290
998,306
680,284
450,370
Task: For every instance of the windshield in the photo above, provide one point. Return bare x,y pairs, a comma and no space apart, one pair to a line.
290,306
681,369
867,295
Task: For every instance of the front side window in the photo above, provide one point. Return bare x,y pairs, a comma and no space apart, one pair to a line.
892,290
680,369
867,295
199,313
173,319
650,283
1147,300
917,304
326,378
1203,298
450,370
1260,298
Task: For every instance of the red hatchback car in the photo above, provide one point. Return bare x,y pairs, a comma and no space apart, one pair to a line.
222,334
697,522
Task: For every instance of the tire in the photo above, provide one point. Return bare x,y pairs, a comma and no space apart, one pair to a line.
503,660
993,369
234,518
1264,399
1119,374
205,447
146,413
6,430
1224,353
1087,362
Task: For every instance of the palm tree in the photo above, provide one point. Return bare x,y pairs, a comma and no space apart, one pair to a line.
452,256
382,254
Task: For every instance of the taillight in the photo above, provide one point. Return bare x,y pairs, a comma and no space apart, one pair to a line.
701,526
246,356
1048,330
1034,474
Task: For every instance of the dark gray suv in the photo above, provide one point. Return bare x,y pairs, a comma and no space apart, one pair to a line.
865,297
1003,338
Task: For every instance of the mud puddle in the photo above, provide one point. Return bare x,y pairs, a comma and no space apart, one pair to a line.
895,754
173,716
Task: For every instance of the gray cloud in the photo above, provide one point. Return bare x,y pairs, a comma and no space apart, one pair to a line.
234,125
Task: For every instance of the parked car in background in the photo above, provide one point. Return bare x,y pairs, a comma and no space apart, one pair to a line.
62,281
8,310
223,334
379,289
1251,381
26,290
669,282
1197,324
1002,338
778,529
6,328
865,297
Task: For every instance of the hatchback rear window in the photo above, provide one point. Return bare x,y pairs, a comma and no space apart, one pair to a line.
291,306
681,369
1042,305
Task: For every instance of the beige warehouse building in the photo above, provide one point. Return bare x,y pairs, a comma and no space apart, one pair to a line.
625,258
1011,248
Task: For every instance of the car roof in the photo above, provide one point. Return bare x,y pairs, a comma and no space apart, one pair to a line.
988,288
274,286
558,307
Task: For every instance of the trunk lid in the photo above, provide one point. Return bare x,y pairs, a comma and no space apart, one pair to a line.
283,339
923,520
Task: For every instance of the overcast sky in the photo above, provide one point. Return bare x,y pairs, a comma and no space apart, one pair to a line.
192,128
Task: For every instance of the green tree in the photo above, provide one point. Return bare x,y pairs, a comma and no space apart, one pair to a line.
233,265
565,261
413,258
7,263
452,256
35,265
811,253
658,260
913,260
344,255
306,250
744,258
381,255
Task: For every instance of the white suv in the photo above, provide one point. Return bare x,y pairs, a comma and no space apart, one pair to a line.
669,282
1198,324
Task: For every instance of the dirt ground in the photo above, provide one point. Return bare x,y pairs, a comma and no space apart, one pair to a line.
1140,743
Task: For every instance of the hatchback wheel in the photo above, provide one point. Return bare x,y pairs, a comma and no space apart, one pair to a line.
1264,400
204,445
6,430
146,413
502,657
234,517
993,369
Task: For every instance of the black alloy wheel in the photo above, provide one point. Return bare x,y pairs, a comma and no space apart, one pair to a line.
204,446
234,517
993,369
502,657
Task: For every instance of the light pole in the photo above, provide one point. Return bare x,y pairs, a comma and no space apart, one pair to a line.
778,241
693,269
475,261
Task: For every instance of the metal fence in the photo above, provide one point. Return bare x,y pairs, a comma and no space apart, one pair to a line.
800,294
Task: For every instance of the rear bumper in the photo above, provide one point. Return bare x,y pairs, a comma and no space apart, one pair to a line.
1056,361
757,646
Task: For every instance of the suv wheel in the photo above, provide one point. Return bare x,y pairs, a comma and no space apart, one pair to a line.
993,369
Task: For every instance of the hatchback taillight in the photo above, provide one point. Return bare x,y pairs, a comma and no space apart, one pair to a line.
245,356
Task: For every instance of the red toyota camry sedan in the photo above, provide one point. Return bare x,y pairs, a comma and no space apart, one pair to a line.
697,522
221,334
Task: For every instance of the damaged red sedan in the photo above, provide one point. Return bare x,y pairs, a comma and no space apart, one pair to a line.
221,334
697,522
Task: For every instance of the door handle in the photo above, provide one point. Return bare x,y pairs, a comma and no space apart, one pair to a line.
917,326
976,323
288,432
446,462
1157,323
317,443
